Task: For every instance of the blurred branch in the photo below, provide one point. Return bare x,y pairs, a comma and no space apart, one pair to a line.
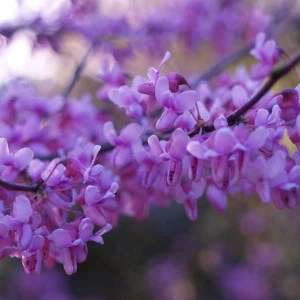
228,60
78,71
223,64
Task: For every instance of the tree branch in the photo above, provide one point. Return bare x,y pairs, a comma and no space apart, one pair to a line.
274,76
19,187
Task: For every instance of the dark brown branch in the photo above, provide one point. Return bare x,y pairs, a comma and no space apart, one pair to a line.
273,78
18,187
275,75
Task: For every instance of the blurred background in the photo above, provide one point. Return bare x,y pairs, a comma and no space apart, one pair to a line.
249,252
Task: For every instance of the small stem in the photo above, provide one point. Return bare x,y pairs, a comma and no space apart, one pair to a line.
194,117
19,187
78,71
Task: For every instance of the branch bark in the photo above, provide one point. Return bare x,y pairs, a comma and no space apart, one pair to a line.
19,187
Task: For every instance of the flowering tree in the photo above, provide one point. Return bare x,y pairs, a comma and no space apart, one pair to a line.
67,174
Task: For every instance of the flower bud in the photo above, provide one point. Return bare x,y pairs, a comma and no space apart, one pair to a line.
174,172
175,80
288,103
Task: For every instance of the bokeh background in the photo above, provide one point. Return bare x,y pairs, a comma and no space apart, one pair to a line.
249,252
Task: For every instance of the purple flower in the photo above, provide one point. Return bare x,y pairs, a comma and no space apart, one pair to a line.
267,53
53,175
122,153
265,173
112,76
174,103
173,151
239,96
216,197
73,251
94,196
288,101
188,194
148,88
22,209
18,160
149,163
129,99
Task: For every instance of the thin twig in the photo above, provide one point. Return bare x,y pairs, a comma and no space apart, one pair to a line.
78,71
18,187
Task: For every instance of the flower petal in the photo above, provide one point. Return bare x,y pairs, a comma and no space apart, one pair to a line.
86,228
61,238
110,133
92,195
22,209
161,87
185,101
217,198
23,158
166,121
131,133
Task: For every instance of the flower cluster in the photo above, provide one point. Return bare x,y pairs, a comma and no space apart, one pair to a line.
68,170
67,209
184,158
